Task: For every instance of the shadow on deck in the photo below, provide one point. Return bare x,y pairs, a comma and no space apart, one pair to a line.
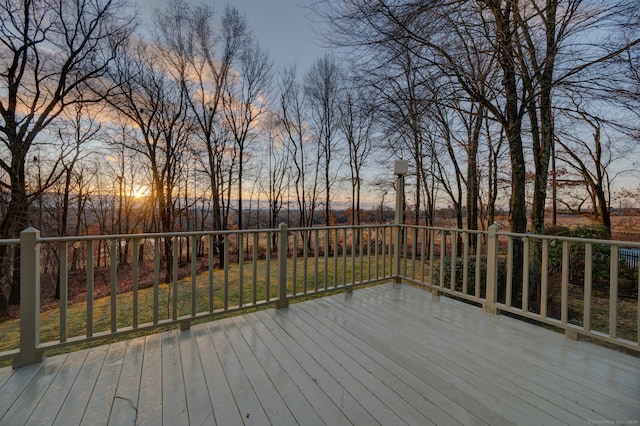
389,354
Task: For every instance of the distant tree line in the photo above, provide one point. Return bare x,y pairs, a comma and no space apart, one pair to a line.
110,127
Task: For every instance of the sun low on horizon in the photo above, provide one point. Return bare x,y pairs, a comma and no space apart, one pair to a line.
140,191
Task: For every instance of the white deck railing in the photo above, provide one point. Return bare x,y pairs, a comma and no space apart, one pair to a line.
226,272
230,271
571,283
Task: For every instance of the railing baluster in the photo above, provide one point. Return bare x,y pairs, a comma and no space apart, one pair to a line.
508,296
353,255
210,272
544,278
225,285
432,254
134,263
390,248
344,256
326,258
404,237
525,274
360,243
492,270
240,269
564,308
336,253
283,242
256,242
305,259
294,265
454,260
588,274
194,274
443,254
613,292
476,288
377,248
413,251
156,278
369,253
64,289
465,263
315,260
114,285
383,253
90,278
422,233
174,248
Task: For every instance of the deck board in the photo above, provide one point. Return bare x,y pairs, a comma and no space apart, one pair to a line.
278,374
99,406
306,384
50,403
29,396
198,402
225,411
389,354
535,366
13,385
174,400
77,399
124,410
586,375
246,400
150,396
500,373
349,406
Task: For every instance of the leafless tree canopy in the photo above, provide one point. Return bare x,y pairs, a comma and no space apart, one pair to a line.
500,107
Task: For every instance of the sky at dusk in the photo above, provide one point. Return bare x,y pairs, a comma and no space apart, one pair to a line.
285,28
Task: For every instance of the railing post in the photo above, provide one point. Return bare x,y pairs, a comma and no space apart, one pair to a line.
492,270
283,302
29,298
400,170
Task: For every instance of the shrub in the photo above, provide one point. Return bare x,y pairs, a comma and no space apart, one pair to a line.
471,265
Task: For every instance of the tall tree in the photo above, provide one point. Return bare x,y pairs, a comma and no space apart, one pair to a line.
53,54
537,46
322,84
155,102
302,150
357,118
211,49
244,102
278,171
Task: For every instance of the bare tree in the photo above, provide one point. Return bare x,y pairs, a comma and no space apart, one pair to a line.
244,102
537,46
83,128
357,118
404,105
591,160
54,54
278,170
156,103
298,143
321,86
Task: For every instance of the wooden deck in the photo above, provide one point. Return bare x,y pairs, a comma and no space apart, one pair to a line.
386,355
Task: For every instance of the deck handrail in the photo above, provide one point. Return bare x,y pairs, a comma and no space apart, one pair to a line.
477,266
298,253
